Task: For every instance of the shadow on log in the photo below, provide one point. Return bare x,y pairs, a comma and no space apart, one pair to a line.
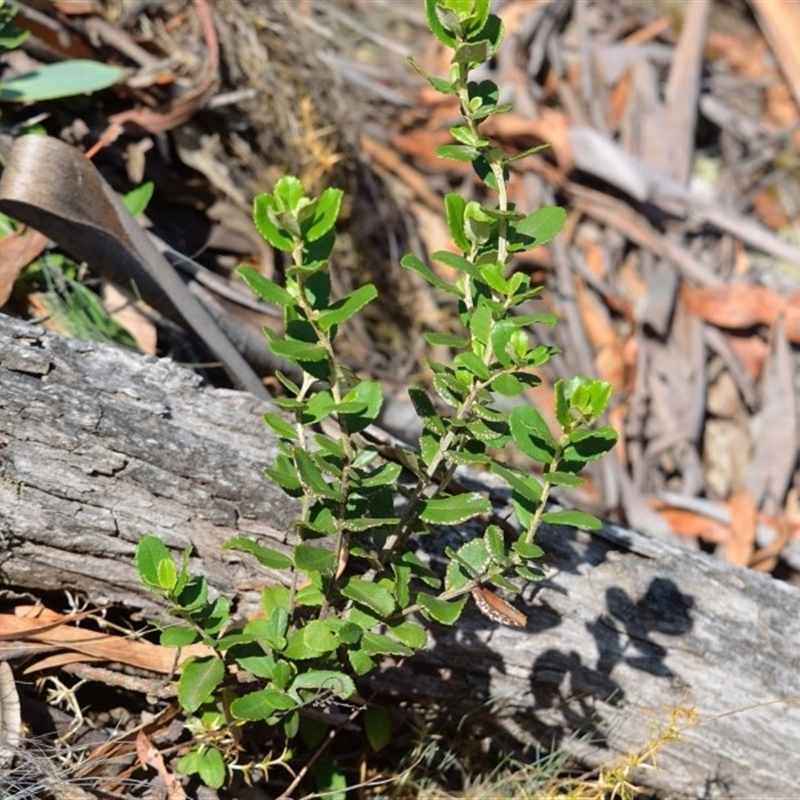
100,446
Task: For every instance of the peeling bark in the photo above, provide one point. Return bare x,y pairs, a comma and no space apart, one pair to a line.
100,446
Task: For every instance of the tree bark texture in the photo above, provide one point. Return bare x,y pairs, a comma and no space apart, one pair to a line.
100,446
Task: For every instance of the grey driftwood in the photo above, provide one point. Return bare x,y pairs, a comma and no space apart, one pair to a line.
99,446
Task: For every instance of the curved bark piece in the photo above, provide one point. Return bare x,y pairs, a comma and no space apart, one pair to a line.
54,188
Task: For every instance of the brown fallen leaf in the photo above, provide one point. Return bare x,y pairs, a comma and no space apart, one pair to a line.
54,629
738,306
742,544
150,756
690,523
17,250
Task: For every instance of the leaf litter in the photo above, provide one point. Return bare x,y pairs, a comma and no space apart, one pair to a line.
672,133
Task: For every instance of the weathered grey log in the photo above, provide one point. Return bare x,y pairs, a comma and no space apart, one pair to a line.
99,446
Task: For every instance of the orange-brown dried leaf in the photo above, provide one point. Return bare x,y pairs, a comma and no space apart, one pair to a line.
54,629
689,523
150,756
17,250
742,544
739,306
769,210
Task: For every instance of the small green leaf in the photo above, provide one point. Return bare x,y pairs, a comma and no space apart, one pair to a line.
507,385
454,208
325,213
385,475
11,37
62,79
167,575
529,574
446,340
194,594
492,32
270,631
361,661
435,24
456,262
150,553
178,636
449,389
467,563
531,433
330,781
267,557
211,767
365,620
311,477
377,644
265,210
590,445
136,200
310,595
453,510
318,407
199,679
457,152
378,727
522,483
543,225
474,364
465,135
189,764
261,705
483,170
473,53
468,457
296,350
251,658
289,194
411,262
342,310
318,635
267,290
419,569
281,427
426,411
495,542
411,634
284,473
480,322
439,84
486,91
372,595
369,523
369,395
314,559
274,597
444,611
339,683
298,649
563,479
575,519
527,549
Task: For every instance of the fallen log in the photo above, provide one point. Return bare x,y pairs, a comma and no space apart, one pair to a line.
100,446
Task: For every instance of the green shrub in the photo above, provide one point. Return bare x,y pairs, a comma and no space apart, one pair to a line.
356,592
